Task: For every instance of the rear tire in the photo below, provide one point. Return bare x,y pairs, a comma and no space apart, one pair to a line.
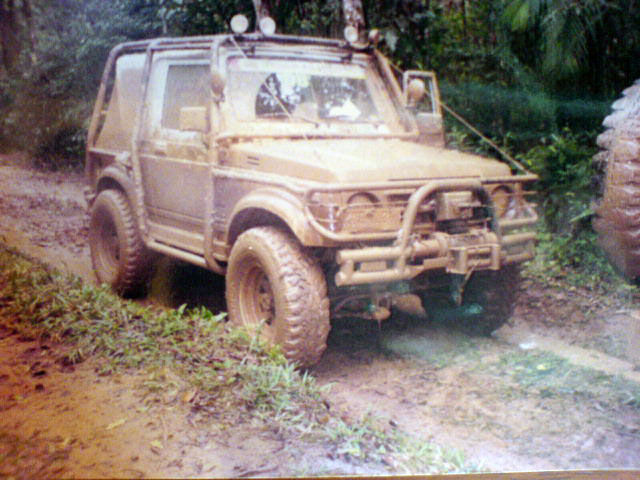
496,293
488,301
118,254
275,288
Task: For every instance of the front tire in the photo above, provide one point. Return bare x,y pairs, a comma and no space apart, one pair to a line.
118,254
275,288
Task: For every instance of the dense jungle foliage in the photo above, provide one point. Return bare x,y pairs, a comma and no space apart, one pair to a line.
536,76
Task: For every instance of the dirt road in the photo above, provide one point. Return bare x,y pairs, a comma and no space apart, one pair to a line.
558,390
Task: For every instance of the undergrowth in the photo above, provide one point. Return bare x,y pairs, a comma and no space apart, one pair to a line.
569,260
235,374
568,250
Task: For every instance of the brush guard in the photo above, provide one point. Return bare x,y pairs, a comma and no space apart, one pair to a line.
410,255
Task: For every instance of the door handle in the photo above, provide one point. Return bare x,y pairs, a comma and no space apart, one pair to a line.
160,148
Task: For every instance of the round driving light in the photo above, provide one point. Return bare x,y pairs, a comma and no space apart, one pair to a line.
362,199
267,26
351,34
501,197
361,208
239,24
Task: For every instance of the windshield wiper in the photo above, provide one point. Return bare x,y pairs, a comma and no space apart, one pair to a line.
290,116
269,89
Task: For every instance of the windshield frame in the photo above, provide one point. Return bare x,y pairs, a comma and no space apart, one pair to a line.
394,122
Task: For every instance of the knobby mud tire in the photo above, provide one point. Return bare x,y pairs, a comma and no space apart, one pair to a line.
118,254
496,293
267,262
487,303
617,219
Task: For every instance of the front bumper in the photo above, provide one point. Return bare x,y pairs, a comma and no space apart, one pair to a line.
454,253
410,254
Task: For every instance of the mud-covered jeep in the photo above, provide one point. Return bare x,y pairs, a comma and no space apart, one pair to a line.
306,171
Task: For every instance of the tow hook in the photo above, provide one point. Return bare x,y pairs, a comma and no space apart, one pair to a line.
458,282
377,313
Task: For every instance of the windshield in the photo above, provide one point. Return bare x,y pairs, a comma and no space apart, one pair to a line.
315,92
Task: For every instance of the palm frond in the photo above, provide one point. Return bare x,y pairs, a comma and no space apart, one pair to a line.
523,14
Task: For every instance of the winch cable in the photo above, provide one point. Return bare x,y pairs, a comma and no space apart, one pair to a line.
486,139
515,163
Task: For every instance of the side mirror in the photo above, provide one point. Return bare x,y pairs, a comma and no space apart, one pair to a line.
217,85
416,90
420,91
194,119
422,99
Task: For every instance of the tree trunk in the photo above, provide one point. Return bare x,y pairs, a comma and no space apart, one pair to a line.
353,13
263,9
14,17
463,7
28,20
9,35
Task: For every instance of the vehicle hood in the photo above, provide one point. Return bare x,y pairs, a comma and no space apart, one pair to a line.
360,161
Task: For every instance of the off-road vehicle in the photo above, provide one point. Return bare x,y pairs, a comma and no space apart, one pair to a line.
308,172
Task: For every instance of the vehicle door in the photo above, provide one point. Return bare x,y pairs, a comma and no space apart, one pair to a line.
173,154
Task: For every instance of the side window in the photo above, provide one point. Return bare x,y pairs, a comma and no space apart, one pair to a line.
186,87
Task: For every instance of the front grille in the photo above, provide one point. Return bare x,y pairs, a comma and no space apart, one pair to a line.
449,212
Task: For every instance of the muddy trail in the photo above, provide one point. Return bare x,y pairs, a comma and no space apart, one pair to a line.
558,389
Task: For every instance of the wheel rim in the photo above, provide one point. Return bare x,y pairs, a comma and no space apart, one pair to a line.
109,251
256,299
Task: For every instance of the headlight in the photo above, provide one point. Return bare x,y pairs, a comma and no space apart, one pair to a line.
502,198
363,214
362,200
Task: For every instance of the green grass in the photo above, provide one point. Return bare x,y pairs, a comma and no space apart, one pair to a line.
237,375
548,375
564,259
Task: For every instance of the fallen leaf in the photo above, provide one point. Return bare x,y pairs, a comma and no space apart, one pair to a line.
156,446
65,443
189,396
116,424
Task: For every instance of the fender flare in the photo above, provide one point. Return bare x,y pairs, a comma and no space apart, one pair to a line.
266,206
115,177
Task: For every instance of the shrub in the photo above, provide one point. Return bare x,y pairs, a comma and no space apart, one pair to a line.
567,242
564,163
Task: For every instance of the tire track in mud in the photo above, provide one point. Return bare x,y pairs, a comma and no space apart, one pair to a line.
442,385
416,376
